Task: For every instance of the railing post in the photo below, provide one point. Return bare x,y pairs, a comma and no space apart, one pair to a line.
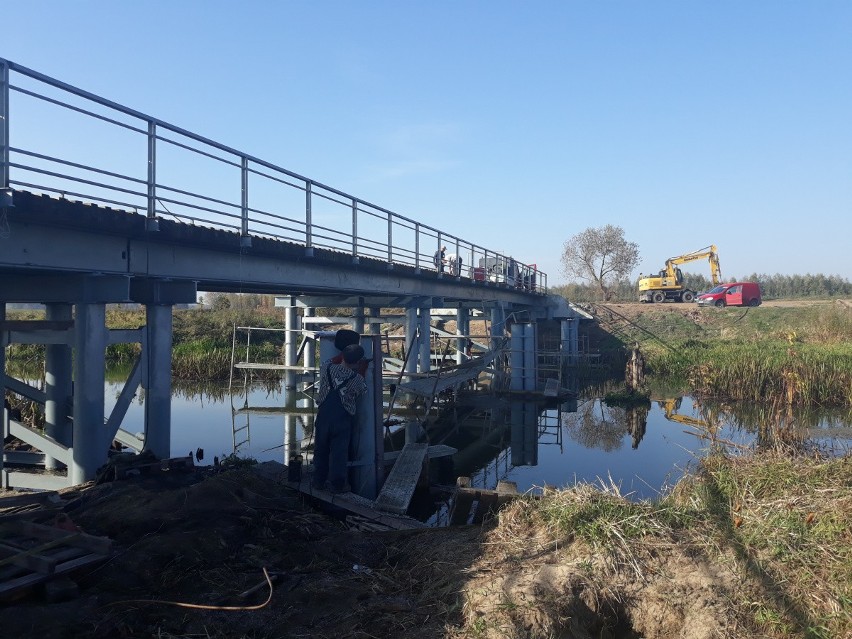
309,239
4,133
151,222
245,238
458,256
417,247
390,241
355,258
485,270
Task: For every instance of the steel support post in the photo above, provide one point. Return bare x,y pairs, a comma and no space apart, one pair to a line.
375,327
57,385
462,330
530,357
498,326
569,340
411,323
291,344
151,222
358,319
310,347
157,379
89,439
425,340
516,357
4,126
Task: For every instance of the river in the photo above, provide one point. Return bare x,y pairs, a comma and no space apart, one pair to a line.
642,453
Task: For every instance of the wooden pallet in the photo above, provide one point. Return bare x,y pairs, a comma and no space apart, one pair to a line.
32,554
473,505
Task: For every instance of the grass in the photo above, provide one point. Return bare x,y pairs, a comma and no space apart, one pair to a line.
800,355
778,522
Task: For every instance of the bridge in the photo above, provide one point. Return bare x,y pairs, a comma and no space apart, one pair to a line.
101,204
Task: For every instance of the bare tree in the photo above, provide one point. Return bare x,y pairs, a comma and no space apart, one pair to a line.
601,256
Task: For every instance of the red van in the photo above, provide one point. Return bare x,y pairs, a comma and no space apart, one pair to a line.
731,294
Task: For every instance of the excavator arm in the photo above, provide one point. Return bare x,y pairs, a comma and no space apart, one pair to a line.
709,253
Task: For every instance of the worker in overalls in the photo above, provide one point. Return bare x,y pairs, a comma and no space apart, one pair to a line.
339,390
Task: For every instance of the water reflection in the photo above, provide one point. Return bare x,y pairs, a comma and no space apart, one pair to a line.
643,450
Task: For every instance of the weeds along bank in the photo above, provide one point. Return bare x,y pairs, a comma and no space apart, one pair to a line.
799,355
757,546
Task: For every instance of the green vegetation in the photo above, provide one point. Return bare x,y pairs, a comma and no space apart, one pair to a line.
798,355
775,525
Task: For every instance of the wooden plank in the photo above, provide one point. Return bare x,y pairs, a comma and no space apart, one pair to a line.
27,499
356,504
399,486
14,585
76,539
30,560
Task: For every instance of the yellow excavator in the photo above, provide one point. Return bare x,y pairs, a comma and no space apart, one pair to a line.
668,283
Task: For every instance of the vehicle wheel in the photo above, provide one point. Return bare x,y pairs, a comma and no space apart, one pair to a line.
754,302
658,297
720,303
688,296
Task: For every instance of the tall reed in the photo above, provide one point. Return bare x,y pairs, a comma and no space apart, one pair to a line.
800,374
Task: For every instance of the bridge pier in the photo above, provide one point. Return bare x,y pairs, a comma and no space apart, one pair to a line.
89,440
411,325
57,385
157,380
291,324
425,332
76,338
462,330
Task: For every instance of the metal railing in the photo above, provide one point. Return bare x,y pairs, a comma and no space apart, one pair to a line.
75,144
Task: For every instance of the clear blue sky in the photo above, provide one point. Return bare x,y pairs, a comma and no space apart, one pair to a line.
515,125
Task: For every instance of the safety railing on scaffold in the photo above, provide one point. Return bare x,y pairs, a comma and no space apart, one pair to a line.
64,141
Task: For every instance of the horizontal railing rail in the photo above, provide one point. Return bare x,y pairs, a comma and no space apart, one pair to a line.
72,143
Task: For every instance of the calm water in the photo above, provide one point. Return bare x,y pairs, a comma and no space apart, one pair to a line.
519,442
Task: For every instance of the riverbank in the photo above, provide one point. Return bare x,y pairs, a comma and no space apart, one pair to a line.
749,547
795,353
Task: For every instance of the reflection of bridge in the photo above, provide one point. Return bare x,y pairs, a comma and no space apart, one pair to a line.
101,204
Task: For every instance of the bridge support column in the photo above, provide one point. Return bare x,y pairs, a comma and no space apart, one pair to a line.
89,431
462,330
157,380
310,347
375,326
425,339
524,373
57,385
570,339
498,326
290,344
358,319
411,339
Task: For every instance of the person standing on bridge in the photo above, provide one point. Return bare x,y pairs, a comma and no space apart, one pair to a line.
440,258
339,390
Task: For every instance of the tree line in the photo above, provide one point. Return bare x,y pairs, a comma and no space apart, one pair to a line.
775,286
